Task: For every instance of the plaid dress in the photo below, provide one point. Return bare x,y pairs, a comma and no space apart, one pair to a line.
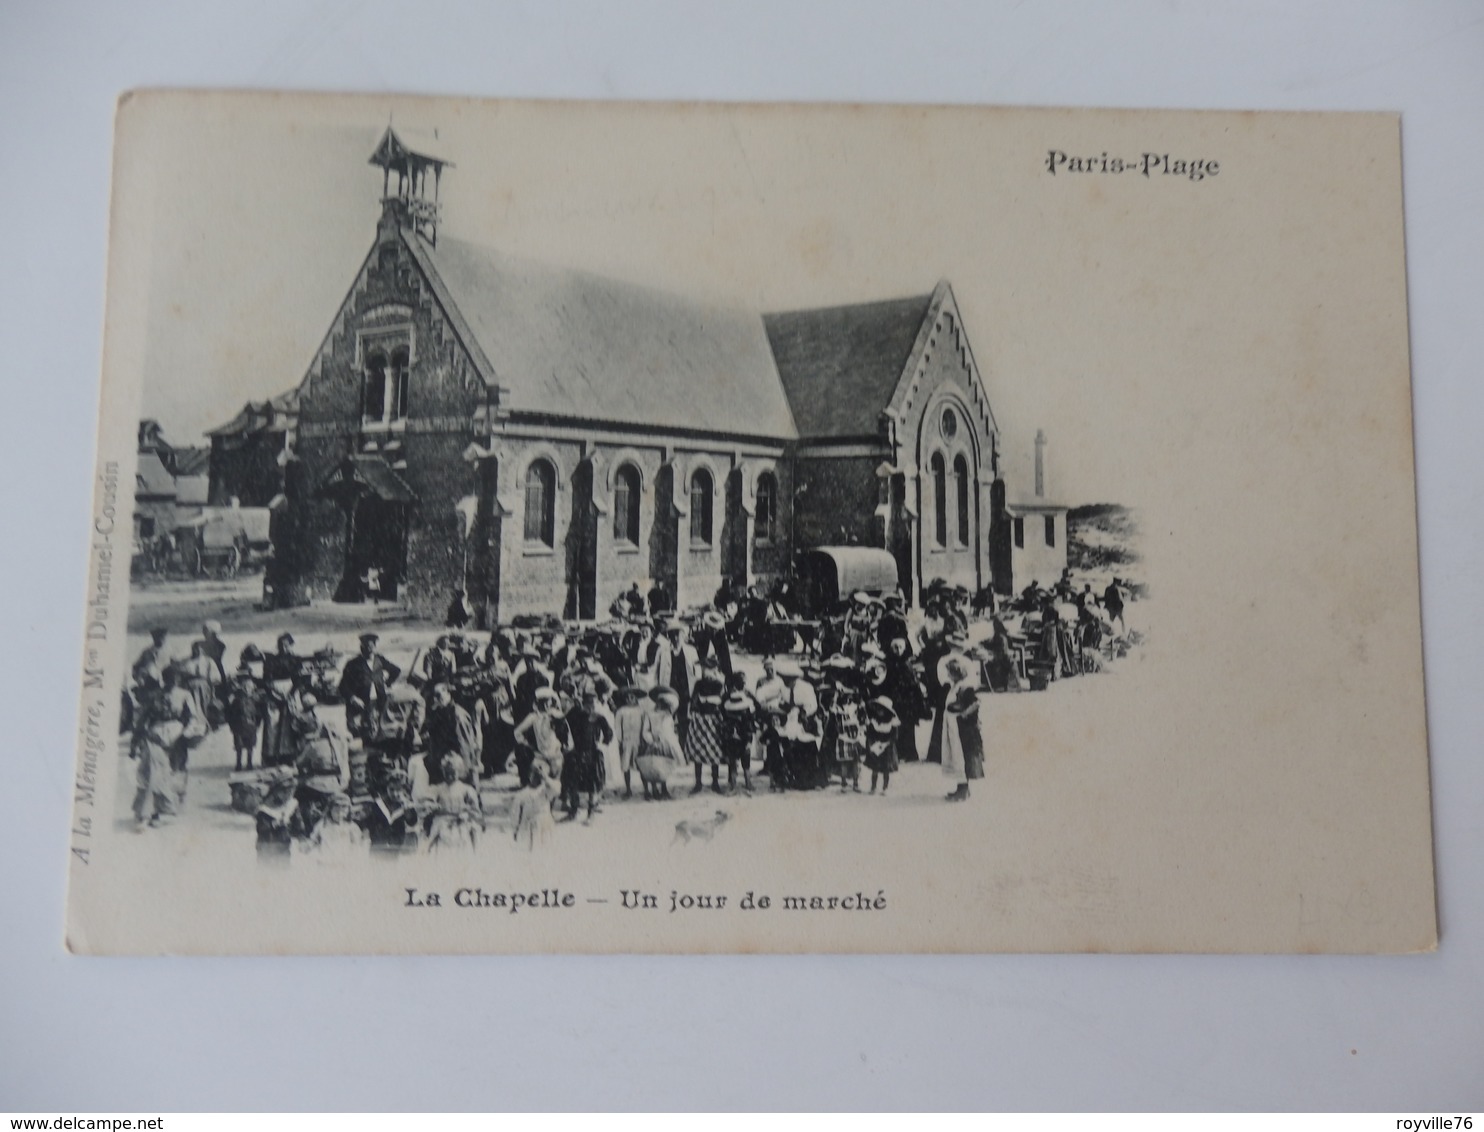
703,737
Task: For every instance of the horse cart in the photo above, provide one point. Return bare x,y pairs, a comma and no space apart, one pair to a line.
224,541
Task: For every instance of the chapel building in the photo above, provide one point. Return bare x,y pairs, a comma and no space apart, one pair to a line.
544,438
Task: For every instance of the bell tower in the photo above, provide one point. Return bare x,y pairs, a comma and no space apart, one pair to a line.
411,202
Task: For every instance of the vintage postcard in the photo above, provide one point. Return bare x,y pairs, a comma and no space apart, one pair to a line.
540,527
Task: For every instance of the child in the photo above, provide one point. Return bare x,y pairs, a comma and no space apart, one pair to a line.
738,723
847,732
245,710
458,816
628,725
583,771
391,821
531,808
337,837
882,726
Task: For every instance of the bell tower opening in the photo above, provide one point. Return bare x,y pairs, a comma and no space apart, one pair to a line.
411,201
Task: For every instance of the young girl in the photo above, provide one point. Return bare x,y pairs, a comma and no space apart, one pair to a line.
531,808
627,726
882,726
337,837
845,734
458,817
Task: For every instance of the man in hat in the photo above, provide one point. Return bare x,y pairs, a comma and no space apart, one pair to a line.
363,687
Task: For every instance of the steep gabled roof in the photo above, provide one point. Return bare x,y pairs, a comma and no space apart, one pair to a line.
151,478
569,344
841,365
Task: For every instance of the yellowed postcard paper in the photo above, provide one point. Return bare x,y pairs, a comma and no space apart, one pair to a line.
530,527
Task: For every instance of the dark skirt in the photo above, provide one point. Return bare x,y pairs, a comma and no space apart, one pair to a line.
583,771
703,739
881,753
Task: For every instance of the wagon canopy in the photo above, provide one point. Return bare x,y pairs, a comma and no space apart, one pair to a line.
839,571
221,527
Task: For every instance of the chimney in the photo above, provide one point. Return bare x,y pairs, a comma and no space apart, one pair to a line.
1040,464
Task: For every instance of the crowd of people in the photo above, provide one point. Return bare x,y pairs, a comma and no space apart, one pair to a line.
577,714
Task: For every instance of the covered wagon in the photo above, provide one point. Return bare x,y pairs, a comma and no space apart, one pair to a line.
224,540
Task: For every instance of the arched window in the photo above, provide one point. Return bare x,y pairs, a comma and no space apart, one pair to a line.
940,500
626,505
765,509
961,481
374,404
397,385
541,503
700,506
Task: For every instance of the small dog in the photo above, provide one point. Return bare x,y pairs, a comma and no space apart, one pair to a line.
688,831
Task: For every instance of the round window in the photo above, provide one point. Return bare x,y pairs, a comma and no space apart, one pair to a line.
949,424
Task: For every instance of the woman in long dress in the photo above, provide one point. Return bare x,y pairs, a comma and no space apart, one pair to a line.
659,746
963,745
703,737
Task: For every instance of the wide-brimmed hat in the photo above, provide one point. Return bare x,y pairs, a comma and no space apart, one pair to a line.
545,695
713,620
369,636
788,669
665,697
